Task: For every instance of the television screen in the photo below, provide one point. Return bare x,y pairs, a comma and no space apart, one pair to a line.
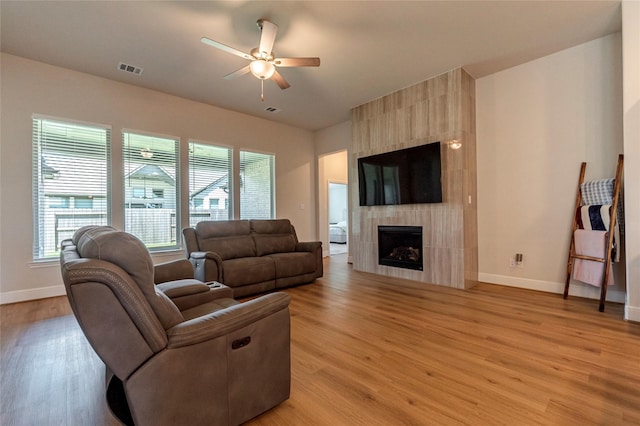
406,176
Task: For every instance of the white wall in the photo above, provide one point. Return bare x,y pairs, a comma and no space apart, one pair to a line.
30,87
631,111
535,124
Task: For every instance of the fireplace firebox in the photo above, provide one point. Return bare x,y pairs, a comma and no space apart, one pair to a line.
400,246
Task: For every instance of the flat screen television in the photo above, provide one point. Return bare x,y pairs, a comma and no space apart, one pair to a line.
406,176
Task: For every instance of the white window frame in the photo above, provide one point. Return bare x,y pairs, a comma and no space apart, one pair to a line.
272,183
51,227
167,223
192,186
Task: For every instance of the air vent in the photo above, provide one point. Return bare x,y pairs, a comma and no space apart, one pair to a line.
129,68
272,110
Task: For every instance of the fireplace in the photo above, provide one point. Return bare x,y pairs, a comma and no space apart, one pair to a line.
400,246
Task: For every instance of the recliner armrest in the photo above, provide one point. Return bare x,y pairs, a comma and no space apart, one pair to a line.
309,246
226,320
173,270
313,247
205,255
180,288
186,294
207,265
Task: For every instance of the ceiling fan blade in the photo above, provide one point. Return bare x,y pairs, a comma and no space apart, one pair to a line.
235,74
297,62
280,81
226,48
268,36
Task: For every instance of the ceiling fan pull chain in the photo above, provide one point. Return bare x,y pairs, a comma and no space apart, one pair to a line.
262,90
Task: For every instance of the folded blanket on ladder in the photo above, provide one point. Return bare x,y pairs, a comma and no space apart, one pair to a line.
601,192
590,243
597,218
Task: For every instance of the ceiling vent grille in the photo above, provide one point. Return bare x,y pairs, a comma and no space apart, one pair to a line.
272,110
129,68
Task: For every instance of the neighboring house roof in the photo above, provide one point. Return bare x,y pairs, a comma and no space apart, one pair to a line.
61,176
218,183
62,173
151,171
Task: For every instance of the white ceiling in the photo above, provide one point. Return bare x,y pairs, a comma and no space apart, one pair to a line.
368,49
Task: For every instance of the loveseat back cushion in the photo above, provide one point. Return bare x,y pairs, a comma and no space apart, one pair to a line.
230,239
273,236
130,254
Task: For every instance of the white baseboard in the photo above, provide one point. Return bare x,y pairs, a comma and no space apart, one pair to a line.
576,289
31,294
632,313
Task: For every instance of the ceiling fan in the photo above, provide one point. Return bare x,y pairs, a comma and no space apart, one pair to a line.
263,61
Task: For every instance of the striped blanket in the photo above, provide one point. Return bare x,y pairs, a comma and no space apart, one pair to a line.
597,218
594,217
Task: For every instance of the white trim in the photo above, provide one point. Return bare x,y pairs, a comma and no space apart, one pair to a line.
632,313
578,289
209,143
148,134
31,294
63,120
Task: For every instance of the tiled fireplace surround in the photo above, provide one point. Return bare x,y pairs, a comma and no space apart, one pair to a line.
440,109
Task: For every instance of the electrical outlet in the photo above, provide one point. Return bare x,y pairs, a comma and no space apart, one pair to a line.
519,260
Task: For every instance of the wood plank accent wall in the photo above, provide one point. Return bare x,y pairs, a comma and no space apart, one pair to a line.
440,109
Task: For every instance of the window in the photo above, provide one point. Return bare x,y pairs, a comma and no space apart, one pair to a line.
151,189
70,181
209,184
257,192
83,202
137,192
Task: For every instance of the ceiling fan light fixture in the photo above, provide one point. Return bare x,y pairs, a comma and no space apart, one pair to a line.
262,69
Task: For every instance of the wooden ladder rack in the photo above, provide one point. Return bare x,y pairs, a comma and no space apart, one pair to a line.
613,214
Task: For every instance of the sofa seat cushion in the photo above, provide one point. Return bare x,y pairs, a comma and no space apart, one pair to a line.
247,270
292,264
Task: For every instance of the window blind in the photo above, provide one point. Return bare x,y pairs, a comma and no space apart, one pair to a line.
71,189
210,183
257,193
151,189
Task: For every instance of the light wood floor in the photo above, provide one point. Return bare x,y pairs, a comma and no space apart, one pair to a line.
370,350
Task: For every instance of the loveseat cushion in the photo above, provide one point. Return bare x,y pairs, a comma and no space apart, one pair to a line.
273,236
248,270
230,239
292,264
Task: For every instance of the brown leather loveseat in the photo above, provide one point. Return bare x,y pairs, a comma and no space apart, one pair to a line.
252,256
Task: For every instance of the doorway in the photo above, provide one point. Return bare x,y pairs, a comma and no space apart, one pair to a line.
333,169
338,216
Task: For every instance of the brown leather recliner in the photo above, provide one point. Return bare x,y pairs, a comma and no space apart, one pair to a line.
215,362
